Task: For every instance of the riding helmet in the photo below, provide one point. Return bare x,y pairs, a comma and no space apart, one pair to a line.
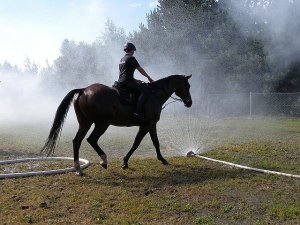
129,47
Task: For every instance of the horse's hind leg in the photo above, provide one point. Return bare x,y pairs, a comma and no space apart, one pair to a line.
93,141
83,129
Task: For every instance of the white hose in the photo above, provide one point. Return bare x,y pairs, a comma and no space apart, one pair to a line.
85,164
247,167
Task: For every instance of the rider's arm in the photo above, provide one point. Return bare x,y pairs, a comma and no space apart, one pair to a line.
143,72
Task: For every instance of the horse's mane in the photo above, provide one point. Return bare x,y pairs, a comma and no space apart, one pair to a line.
161,82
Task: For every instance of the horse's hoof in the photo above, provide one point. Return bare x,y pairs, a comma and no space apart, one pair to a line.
79,173
103,161
165,162
124,166
104,166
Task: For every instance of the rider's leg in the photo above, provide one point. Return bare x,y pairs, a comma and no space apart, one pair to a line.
141,101
142,98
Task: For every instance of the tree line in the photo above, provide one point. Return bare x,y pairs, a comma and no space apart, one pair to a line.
227,49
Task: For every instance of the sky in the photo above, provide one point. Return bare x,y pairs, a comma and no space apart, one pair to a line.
36,28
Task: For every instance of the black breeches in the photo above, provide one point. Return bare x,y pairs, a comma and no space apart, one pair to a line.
139,89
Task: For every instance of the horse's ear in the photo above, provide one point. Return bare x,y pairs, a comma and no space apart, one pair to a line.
188,77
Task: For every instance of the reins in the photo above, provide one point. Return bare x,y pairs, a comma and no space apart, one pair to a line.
174,100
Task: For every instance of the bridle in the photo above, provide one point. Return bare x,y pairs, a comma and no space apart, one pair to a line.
185,100
174,100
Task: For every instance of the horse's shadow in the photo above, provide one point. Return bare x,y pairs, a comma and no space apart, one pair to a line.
174,175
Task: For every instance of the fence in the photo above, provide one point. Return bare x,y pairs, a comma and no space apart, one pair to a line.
279,104
248,104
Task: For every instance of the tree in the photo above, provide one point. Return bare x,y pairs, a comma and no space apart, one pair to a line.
6,67
201,37
30,67
81,63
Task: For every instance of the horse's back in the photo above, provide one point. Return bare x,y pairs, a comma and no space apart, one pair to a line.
101,103
98,89
95,99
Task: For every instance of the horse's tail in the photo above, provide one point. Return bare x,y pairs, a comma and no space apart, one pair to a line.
58,122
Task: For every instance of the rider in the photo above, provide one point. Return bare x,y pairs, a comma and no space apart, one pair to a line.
127,66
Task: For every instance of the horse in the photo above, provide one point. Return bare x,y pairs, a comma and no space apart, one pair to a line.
101,105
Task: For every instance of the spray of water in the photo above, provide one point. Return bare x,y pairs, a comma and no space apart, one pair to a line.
24,99
187,130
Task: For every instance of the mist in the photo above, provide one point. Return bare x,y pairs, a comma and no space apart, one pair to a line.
25,99
184,42
280,23
230,56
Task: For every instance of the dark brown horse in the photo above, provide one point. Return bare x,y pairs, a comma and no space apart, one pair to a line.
100,105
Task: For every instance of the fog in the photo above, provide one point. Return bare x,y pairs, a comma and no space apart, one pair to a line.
281,23
32,100
25,99
281,20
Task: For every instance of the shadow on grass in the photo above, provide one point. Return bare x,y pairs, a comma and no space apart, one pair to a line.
171,175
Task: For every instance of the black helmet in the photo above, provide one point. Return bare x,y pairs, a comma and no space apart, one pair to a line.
129,47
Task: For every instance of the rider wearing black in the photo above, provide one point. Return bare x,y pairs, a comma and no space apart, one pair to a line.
127,66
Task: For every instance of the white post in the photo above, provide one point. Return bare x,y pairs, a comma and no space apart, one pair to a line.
250,104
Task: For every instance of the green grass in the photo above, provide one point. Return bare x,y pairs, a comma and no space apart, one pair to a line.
188,191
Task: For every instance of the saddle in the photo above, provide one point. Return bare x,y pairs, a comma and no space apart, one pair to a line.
127,97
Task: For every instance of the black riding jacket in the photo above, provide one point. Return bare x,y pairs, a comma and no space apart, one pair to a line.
127,66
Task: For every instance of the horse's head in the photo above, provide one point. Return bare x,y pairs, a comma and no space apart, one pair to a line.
183,90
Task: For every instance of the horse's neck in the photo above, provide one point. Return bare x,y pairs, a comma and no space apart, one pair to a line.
163,90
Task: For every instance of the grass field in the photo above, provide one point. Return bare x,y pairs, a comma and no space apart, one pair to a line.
188,191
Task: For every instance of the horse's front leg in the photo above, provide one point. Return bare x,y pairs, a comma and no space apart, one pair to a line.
139,137
154,138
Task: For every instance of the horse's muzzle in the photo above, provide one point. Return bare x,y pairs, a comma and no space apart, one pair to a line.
188,103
